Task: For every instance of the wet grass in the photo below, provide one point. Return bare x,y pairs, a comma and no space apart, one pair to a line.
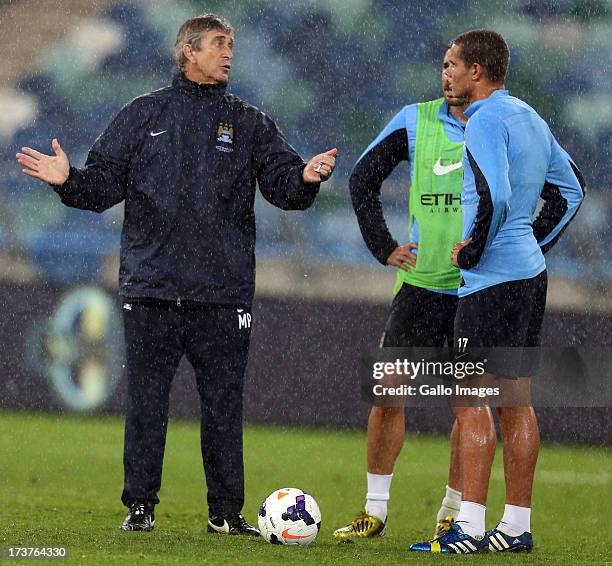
60,481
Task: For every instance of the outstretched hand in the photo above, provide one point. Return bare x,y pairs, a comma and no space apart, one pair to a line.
320,167
53,169
403,256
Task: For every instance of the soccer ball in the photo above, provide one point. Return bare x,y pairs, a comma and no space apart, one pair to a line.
289,516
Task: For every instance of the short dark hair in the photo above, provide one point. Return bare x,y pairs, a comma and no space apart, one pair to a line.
191,32
487,48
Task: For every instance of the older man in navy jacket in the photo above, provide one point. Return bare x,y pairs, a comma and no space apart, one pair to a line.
186,160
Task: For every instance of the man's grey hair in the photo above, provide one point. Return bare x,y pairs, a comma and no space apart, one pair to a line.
192,31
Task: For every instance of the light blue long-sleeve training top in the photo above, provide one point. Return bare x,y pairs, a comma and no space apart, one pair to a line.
511,159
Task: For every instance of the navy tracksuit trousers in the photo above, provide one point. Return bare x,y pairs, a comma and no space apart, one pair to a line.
215,340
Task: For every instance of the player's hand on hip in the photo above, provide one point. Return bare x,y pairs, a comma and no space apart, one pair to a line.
53,169
320,167
403,256
456,249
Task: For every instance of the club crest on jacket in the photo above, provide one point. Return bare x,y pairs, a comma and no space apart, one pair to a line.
225,132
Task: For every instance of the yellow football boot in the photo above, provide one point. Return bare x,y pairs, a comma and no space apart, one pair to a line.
363,526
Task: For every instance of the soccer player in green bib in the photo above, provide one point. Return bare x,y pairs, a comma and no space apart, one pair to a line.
430,136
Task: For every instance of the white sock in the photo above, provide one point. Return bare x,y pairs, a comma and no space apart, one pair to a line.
378,495
516,520
471,518
450,504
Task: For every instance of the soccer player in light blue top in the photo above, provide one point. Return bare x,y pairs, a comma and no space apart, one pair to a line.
510,155
511,160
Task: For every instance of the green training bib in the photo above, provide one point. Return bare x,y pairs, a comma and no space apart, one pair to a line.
434,202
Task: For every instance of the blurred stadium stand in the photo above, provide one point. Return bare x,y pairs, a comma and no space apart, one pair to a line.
331,74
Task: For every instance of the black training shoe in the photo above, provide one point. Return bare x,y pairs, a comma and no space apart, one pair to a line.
231,525
140,517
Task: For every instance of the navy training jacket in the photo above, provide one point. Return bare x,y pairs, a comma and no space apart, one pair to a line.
186,160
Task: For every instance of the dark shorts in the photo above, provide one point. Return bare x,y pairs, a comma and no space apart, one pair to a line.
508,315
420,318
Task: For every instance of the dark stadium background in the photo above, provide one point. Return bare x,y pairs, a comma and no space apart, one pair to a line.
331,74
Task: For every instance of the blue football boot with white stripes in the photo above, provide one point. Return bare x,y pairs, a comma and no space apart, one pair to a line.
453,541
501,542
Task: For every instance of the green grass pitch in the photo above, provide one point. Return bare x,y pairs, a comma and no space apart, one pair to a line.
61,476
